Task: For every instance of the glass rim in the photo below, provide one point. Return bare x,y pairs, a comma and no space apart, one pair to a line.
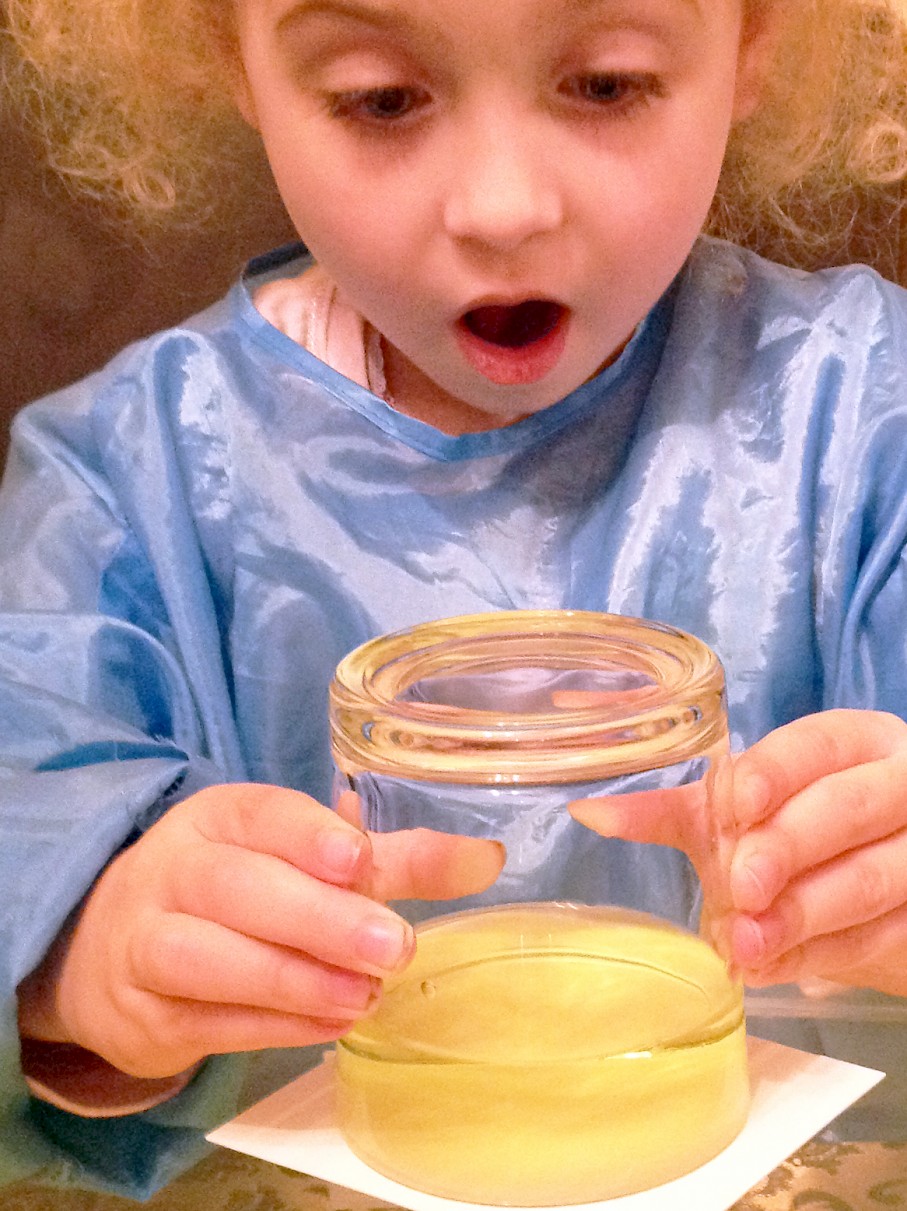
680,714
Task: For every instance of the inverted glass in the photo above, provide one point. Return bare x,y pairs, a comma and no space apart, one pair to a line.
552,1042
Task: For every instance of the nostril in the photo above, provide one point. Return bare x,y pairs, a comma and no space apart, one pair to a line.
514,326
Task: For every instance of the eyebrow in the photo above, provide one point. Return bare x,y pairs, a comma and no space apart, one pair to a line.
351,10
587,5
398,19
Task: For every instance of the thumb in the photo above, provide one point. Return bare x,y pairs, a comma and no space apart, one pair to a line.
658,817
419,864
692,818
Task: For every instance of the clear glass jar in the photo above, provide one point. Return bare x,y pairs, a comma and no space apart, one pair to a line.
552,1043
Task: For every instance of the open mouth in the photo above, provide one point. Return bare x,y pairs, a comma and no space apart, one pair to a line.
517,344
514,327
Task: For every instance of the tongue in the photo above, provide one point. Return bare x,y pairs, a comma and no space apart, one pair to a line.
513,327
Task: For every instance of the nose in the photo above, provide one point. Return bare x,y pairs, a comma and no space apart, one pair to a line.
504,187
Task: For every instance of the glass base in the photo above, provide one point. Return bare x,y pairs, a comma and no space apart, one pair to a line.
547,1054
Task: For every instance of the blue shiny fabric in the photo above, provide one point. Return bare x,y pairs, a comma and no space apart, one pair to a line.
192,538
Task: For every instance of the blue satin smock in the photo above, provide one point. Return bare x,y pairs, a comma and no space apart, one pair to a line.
192,538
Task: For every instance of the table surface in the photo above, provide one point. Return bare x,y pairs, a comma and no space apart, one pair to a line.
819,1177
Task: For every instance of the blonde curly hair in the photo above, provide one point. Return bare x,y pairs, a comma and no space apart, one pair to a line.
131,99
87,75
829,137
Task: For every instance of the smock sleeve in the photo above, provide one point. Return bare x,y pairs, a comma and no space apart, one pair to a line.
103,725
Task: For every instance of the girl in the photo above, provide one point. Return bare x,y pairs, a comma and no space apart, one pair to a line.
507,370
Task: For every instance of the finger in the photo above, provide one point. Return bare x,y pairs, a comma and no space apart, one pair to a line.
193,960
792,757
859,887
193,1030
224,1029
349,808
421,864
270,900
867,806
865,956
285,824
672,817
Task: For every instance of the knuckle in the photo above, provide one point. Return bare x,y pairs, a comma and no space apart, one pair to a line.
784,846
231,813
873,891
301,986
310,989
286,983
148,1041
852,802
785,928
848,950
161,959
826,742
891,729
246,810
783,969
203,872
187,1036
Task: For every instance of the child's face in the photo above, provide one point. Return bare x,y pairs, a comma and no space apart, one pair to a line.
503,188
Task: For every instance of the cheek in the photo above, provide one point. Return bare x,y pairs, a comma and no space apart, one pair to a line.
685,188
341,219
320,216
655,210
365,259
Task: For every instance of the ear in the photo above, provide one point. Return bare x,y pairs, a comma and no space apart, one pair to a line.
242,96
761,30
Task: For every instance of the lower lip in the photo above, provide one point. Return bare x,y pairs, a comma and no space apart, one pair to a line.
513,367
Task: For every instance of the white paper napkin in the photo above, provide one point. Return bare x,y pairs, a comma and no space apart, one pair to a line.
795,1095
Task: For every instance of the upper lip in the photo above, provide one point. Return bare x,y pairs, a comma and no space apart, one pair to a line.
510,300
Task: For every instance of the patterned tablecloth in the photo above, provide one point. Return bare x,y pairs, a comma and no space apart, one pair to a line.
820,1177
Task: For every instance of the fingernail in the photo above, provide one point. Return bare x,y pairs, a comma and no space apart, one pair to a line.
476,865
375,998
358,993
339,852
598,814
752,881
386,943
749,943
752,794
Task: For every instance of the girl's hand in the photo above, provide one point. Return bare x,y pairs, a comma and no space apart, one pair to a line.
817,879
248,917
819,876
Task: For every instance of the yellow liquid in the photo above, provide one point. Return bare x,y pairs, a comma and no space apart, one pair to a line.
537,1055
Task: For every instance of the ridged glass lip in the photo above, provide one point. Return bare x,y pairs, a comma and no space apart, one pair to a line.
565,930
678,714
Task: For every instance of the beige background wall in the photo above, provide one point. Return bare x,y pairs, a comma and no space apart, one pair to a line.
74,289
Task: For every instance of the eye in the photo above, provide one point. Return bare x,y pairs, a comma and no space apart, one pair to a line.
620,91
387,105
